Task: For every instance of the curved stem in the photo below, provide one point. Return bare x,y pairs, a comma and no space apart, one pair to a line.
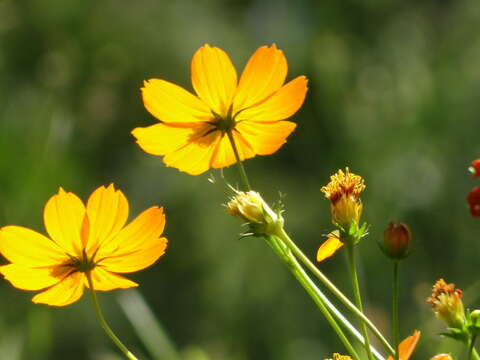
104,324
284,253
356,293
395,325
475,354
241,169
471,347
334,290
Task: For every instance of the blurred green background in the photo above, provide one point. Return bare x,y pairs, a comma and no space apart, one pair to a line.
394,94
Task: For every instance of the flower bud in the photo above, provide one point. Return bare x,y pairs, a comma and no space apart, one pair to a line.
474,315
447,304
473,200
396,240
442,357
475,168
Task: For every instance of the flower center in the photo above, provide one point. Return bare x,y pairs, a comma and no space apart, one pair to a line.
224,123
83,264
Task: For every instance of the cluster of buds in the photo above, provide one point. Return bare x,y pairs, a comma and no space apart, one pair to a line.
473,198
447,304
344,191
396,240
250,207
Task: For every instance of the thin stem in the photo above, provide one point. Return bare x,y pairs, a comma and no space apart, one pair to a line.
356,293
284,254
334,290
471,347
475,354
395,324
241,169
104,324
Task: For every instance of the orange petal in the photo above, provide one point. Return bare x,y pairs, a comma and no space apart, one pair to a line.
224,155
104,280
107,210
406,347
64,293
214,78
63,216
264,74
138,245
281,105
171,103
265,138
330,246
27,247
33,279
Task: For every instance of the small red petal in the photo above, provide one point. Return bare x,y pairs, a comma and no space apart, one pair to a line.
473,200
475,168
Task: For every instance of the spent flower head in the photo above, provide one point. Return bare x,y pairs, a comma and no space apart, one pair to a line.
85,241
447,304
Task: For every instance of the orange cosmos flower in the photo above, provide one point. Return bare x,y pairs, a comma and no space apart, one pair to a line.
407,346
195,131
84,240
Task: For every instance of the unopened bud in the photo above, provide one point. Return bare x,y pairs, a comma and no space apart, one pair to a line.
447,304
475,315
396,240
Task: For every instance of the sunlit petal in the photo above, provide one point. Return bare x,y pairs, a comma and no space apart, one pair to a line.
171,103
104,280
224,155
26,247
26,278
329,247
64,293
264,74
214,78
63,216
407,346
281,105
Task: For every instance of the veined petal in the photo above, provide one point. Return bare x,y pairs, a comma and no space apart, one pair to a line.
264,74
171,103
26,278
27,247
107,210
224,155
135,236
265,138
104,280
64,293
63,216
280,105
330,246
214,78
406,347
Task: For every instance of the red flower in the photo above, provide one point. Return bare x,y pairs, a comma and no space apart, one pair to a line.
475,168
474,201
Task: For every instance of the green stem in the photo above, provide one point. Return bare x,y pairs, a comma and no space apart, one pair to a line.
241,169
471,347
475,354
104,324
286,256
334,290
356,293
395,325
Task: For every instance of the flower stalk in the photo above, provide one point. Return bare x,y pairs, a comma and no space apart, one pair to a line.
395,323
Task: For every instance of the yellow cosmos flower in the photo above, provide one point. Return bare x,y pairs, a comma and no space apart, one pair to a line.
195,132
91,239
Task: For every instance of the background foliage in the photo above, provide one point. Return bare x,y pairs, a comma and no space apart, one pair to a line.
394,94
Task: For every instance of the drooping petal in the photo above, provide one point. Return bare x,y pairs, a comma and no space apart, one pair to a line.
281,105
104,280
330,246
265,138
63,216
64,293
406,347
26,278
138,245
214,78
224,155
171,103
107,210
264,74
27,247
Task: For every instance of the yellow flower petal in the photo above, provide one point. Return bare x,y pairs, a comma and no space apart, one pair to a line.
224,155
214,78
63,217
29,248
281,105
138,245
33,278
264,74
266,138
107,211
64,293
406,347
171,103
104,280
330,246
